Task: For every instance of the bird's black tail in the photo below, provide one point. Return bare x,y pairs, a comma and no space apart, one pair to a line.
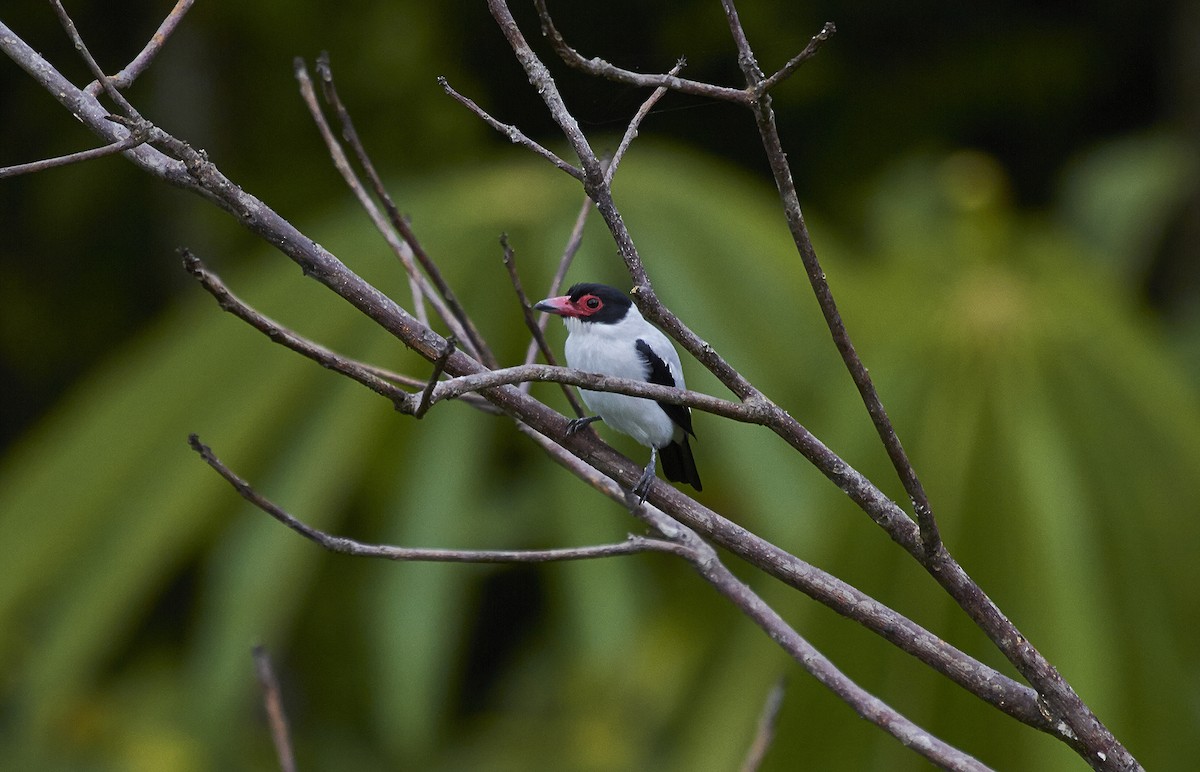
678,464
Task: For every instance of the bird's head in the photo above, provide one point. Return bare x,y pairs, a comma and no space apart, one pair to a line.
589,302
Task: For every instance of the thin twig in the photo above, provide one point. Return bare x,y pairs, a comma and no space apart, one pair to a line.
635,123
745,58
796,61
632,545
601,68
400,399
574,242
97,72
781,170
398,221
130,72
543,83
132,141
531,322
399,248
765,733
380,380
439,367
273,703
515,135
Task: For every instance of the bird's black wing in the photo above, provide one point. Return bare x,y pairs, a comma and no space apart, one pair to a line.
658,372
677,462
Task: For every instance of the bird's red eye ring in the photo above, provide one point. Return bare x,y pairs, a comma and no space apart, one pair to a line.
592,302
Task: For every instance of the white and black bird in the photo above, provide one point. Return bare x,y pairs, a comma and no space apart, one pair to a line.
606,334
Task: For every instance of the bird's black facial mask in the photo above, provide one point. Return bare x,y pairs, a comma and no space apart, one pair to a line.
589,303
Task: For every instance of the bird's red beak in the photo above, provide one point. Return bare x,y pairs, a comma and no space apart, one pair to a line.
560,306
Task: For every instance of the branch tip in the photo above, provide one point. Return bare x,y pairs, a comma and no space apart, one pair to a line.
324,67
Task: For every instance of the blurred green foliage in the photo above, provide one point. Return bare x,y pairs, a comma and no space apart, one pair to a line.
1057,438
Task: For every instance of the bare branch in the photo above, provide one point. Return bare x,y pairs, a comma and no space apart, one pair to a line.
636,122
273,703
544,85
600,68
399,248
515,135
796,61
382,381
104,81
131,71
399,222
400,399
777,158
132,141
474,400
745,58
632,545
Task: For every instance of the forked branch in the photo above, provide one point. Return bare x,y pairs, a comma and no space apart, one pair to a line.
682,542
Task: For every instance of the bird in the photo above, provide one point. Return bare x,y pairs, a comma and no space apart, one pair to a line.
606,334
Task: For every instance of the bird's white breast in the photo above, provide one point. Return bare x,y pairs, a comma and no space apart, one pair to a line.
611,349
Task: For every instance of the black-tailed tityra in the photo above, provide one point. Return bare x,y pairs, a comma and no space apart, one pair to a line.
606,334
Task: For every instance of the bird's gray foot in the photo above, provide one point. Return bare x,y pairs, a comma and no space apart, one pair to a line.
642,489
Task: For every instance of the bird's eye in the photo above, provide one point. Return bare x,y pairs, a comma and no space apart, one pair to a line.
592,302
